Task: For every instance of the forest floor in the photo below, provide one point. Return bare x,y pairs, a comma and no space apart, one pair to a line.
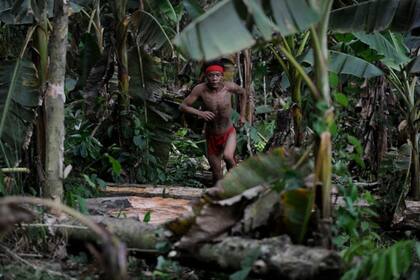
31,254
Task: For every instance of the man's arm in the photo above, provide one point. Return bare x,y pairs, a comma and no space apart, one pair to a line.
234,88
186,105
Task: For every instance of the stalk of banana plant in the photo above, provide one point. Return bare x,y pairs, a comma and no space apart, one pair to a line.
296,86
54,103
323,147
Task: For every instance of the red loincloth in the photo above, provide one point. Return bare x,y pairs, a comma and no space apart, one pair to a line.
216,142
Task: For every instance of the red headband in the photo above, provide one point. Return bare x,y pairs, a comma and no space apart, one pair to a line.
214,68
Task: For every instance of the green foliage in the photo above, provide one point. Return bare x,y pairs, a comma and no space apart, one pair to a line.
186,158
357,154
385,263
147,217
393,55
355,228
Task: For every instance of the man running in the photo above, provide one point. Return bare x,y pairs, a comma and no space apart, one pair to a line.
220,132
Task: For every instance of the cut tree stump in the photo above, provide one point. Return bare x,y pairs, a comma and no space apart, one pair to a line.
152,191
164,203
161,209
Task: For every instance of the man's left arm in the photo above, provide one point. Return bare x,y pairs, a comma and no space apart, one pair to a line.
234,88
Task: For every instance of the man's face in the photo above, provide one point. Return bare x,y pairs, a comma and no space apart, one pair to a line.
214,79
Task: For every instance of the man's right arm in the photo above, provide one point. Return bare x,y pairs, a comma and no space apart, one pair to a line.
186,105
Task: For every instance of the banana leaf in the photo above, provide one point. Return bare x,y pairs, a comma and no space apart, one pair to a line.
377,15
274,169
342,63
203,38
19,96
394,54
267,190
148,32
245,21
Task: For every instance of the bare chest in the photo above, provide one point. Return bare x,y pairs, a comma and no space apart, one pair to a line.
218,103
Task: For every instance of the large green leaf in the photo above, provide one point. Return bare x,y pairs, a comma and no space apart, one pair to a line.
145,76
342,63
18,99
394,55
228,28
377,15
273,169
147,30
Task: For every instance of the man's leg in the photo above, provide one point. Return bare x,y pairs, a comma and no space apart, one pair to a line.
215,162
229,151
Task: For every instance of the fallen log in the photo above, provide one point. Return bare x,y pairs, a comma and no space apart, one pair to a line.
277,256
133,233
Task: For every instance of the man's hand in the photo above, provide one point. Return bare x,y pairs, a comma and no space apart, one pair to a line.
207,115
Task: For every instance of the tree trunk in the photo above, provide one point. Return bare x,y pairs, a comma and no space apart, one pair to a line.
415,165
248,86
121,34
54,103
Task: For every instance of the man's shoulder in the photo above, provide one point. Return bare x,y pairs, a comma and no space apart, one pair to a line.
230,85
200,86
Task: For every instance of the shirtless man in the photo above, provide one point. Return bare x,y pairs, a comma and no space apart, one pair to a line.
220,133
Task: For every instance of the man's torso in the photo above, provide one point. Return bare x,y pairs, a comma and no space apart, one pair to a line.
218,102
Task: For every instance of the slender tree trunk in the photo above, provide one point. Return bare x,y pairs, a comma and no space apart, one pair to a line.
54,103
248,86
121,33
415,165
41,62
